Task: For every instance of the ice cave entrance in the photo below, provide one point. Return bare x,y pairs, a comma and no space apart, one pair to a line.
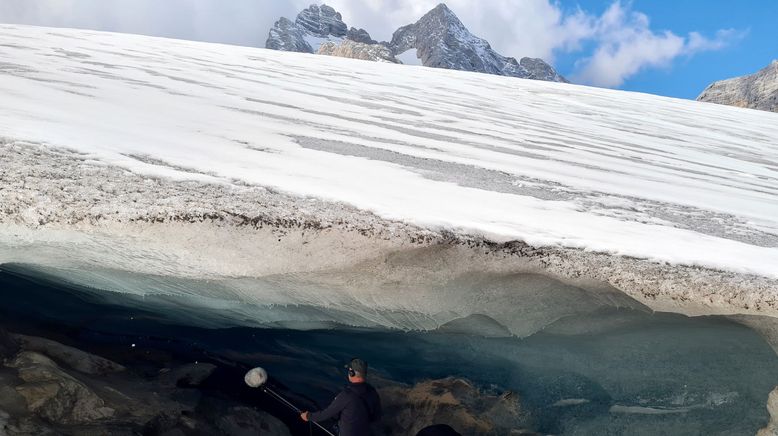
615,370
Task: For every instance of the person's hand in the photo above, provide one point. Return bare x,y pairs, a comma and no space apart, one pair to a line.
304,416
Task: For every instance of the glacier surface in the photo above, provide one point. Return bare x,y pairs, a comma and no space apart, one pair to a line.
550,164
339,186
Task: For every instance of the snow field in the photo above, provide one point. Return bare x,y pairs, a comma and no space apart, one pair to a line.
616,172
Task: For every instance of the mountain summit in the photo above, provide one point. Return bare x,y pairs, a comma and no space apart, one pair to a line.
442,41
321,21
439,38
313,27
755,91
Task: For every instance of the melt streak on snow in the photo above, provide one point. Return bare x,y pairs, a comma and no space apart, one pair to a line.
547,163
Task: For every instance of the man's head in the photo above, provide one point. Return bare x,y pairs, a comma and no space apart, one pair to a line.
357,370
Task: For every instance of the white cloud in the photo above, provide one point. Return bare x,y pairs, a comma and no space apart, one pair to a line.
723,38
626,45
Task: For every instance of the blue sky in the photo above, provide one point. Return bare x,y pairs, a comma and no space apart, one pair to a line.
687,76
673,48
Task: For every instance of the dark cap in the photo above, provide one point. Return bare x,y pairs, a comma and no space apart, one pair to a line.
358,365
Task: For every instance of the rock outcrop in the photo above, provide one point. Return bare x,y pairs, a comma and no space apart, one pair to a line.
439,38
40,397
442,41
286,36
358,50
772,407
755,91
69,356
313,27
321,21
53,394
360,35
452,401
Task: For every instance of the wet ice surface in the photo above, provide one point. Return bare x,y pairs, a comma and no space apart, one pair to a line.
550,164
616,371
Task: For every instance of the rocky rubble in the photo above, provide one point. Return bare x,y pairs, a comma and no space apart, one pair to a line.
54,395
358,50
453,401
40,397
91,395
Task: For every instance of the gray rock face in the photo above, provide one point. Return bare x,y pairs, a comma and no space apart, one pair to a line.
313,26
321,21
358,50
538,69
55,395
286,36
755,91
360,35
69,356
442,41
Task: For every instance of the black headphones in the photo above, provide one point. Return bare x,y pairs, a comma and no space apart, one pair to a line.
351,371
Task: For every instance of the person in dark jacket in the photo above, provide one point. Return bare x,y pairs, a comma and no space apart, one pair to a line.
356,406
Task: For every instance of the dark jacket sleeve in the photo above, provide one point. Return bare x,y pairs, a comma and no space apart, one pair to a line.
338,404
376,412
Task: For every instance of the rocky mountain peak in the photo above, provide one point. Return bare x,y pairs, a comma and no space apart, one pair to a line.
321,21
287,36
439,38
755,91
313,26
442,10
441,16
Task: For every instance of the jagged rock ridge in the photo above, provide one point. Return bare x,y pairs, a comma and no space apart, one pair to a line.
313,27
321,21
755,91
439,38
286,36
442,41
